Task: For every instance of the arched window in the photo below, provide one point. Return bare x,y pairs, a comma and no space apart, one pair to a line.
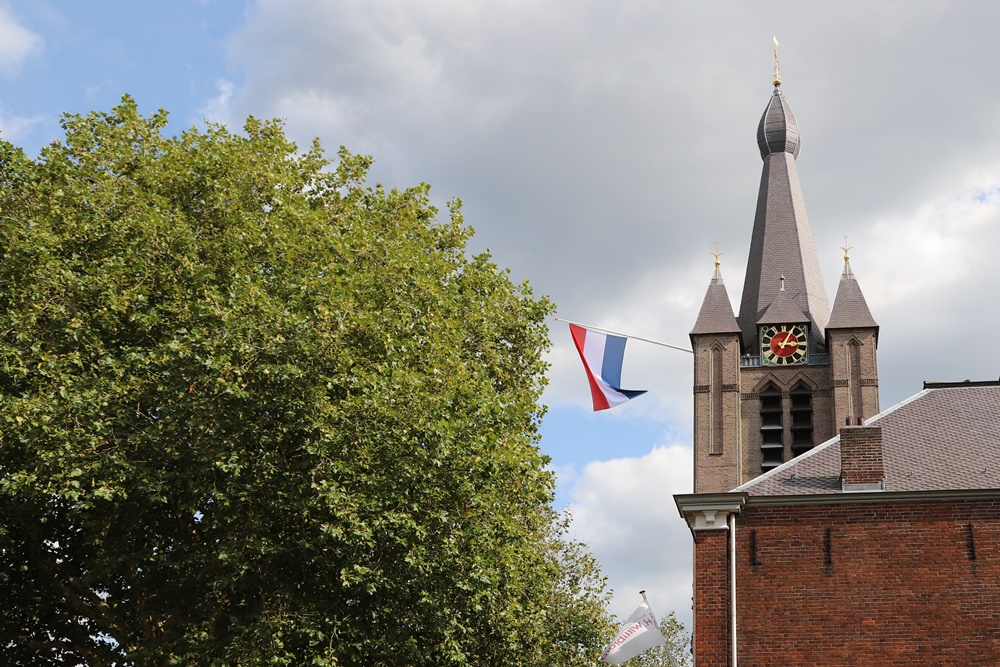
854,364
715,445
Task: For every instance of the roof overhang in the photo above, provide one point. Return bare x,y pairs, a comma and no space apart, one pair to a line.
709,511
874,497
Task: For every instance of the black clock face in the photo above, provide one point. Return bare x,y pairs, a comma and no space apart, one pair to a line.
783,345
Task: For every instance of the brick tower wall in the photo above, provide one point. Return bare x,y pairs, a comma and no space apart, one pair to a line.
716,412
751,382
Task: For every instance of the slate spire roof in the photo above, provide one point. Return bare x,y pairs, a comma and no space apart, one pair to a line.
782,243
716,314
778,132
850,310
784,309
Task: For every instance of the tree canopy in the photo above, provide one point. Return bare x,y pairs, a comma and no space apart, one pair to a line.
256,411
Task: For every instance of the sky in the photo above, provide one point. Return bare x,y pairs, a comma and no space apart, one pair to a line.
601,149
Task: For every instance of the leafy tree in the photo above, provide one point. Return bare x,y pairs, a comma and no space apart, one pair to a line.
254,411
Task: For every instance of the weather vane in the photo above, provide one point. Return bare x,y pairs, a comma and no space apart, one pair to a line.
777,70
847,249
847,257
717,255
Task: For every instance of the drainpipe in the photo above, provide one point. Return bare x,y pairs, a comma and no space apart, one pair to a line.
732,585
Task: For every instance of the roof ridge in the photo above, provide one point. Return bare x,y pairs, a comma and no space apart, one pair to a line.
826,445
787,464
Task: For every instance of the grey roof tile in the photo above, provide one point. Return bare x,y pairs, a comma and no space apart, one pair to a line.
942,439
850,310
716,315
785,309
777,131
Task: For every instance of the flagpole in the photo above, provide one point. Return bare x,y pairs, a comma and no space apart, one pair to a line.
666,648
625,335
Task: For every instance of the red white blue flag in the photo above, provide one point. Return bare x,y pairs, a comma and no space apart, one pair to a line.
602,356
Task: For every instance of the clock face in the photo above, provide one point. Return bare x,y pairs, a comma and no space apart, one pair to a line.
783,345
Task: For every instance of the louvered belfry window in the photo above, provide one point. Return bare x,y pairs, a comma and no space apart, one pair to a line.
772,428
802,424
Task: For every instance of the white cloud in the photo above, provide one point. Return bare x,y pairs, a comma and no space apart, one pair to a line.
13,128
957,229
17,43
624,510
602,148
217,109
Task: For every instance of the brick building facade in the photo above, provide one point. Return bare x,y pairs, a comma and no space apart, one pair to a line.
879,547
825,532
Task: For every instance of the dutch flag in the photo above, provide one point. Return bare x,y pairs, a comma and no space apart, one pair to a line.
602,356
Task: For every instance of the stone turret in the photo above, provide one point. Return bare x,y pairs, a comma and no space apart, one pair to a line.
852,338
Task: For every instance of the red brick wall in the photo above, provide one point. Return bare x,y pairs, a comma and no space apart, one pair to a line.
861,454
901,587
711,591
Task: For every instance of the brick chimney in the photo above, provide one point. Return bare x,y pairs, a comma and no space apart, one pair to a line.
861,459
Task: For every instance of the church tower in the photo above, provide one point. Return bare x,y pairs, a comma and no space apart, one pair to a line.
786,373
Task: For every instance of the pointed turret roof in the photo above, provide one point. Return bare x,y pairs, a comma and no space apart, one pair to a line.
716,315
782,243
850,310
784,309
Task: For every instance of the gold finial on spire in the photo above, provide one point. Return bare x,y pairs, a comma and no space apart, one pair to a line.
777,70
847,257
847,249
717,255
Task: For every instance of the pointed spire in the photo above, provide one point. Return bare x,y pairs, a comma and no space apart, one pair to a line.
847,259
717,278
783,309
850,310
782,243
716,314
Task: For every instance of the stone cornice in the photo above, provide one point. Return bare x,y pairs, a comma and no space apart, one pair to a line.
709,511
874,497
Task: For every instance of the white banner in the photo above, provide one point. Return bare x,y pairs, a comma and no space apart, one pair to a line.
637,634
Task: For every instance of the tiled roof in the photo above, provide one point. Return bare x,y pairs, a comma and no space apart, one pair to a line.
784,309
942,439
777,131
782,243
716,315
850,310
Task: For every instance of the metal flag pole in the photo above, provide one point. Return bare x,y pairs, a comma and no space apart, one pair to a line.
625,335
666,648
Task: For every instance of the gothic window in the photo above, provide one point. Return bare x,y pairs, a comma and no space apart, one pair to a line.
715,446
854,364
